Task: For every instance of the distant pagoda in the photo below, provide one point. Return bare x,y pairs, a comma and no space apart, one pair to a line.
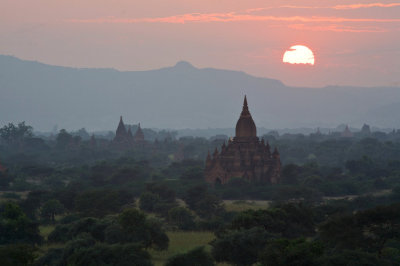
121,135
124,138
245,156
139,135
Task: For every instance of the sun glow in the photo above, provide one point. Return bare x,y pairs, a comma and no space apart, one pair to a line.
299,54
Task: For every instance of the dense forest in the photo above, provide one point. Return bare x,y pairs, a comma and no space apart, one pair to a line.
75,199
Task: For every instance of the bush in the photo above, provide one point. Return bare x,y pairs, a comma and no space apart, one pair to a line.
181,218
240,247
21,254
195,257
148,201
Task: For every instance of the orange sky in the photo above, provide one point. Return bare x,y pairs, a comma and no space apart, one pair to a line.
355,42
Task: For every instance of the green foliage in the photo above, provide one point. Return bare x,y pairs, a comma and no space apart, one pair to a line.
282,252
193,173
91,226
135,227
17,255
50,209
182,218
352,258
288,220
16,227
34,200
99,203
205,204
63,139
52,257
80,253
15,134
195,257
158,198
148,201
240,247
369,230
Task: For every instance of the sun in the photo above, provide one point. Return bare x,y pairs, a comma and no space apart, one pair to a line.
299,54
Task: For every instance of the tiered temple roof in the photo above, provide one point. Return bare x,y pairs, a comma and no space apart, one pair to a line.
245,156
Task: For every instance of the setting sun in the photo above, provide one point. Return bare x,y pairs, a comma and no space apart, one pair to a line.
299,54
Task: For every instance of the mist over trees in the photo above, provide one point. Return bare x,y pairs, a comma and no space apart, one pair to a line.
74,198
181,96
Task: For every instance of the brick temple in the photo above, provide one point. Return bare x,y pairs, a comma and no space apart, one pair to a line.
245,156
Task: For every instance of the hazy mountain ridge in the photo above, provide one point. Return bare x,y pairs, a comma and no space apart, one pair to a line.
181,96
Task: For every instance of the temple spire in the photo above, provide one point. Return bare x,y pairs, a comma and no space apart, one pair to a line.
208,157
245,110
139,135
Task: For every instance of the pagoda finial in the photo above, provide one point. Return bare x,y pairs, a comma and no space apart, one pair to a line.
215,152
245,110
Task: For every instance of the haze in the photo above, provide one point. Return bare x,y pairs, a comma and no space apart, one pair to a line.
355,43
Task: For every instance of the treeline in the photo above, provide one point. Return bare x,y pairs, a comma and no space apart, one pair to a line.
303,233
337,203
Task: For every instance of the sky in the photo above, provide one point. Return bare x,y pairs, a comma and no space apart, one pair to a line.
354,42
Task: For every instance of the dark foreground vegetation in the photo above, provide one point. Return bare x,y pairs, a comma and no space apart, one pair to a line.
70,199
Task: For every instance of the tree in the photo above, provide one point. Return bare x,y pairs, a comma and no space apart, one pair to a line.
93,227
193,173
148,201
182,218
99,203
15,134
63,139
281,252
50,209
194,195
158,198
88,253
203,203
16,227
33,202
240,247
195,257
368,230
352,258
17,254
287,220
135,227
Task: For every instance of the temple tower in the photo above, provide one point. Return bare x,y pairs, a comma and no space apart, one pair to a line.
245,156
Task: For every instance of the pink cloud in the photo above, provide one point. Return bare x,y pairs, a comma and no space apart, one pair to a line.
229,17
337,7
357,6
336,28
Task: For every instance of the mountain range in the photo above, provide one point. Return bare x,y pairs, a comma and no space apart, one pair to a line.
178,97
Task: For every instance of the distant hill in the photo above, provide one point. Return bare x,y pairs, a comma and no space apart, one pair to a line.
181,96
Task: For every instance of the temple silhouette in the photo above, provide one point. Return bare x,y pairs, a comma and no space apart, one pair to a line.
125,137
245,156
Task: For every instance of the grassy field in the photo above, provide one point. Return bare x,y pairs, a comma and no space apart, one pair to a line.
45,230
180,242
242,205
13,195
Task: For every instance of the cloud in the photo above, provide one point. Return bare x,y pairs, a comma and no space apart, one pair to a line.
336,28
230,17
336,7
358,6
